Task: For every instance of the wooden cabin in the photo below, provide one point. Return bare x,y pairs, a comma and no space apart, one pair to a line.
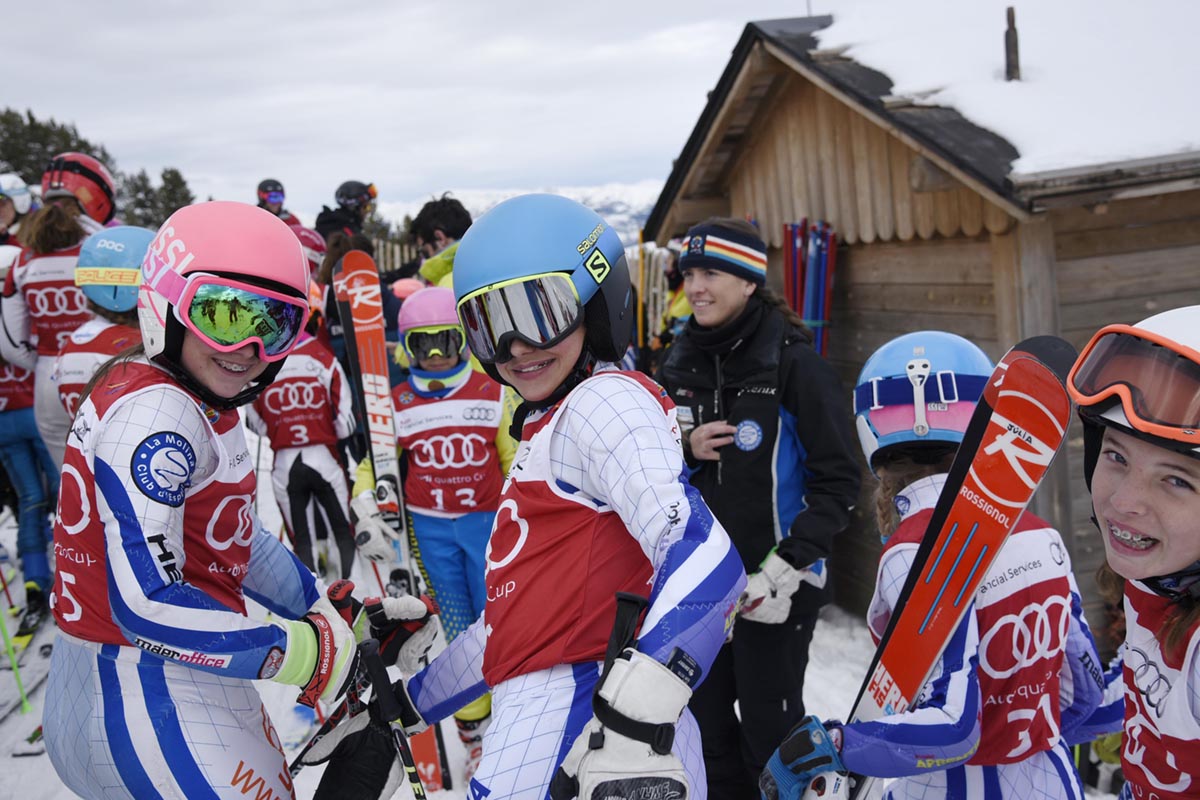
936,232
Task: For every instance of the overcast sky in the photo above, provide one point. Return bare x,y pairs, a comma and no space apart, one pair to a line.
416,96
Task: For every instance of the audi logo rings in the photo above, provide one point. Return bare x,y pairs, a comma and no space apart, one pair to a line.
55,300
479,414
452,451
1033,634
293,397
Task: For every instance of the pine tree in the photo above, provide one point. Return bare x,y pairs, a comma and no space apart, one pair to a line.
27,144
174,193
137,199
376,227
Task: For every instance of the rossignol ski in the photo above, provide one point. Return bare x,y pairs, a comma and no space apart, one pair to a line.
360,307
1018,426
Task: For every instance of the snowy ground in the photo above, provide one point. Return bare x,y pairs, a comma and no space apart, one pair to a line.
840,652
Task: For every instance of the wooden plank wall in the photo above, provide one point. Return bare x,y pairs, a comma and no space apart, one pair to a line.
813,156
1120,263
882,291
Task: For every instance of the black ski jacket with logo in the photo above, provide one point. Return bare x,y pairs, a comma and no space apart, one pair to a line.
790,477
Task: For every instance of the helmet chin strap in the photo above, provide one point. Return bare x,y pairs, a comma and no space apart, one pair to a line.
582,370
1179,587
170,360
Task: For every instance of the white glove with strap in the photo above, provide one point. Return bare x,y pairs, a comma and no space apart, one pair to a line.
625,750
372,536
320,655
405,627
768,595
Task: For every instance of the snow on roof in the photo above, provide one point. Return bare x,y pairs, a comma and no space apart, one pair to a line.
1101,81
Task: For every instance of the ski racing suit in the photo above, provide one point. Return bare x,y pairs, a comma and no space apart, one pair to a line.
1160,749
41,306
596,502
456,449
304,413
150,691
1019,675
87,348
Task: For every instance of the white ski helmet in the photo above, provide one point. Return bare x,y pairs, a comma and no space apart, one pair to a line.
12,187
1144,380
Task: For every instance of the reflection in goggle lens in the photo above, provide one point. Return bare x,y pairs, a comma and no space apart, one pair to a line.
228,316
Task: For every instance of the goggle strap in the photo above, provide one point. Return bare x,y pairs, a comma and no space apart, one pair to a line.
170,284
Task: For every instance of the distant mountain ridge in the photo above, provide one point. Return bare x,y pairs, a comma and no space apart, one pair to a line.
625,206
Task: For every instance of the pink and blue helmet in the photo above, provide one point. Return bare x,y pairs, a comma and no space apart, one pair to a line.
918,392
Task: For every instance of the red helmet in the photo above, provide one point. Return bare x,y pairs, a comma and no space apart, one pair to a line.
313,244
87,180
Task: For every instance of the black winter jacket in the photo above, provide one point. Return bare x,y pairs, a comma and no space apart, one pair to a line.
790,477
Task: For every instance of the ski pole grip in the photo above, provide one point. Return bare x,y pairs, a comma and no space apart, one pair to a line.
624,631
389,707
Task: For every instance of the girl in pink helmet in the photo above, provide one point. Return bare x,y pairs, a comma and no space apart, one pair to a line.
157,544
452,431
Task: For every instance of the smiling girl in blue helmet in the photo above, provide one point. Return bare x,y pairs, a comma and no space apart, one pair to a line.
594,504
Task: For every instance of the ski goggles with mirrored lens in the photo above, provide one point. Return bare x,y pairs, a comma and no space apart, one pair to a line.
432,343
1157,380
274,197
540,310
227,314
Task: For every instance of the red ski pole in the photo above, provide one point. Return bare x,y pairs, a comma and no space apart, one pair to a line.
7,594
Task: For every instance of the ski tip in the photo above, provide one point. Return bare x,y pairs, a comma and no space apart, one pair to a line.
1056,353
357,259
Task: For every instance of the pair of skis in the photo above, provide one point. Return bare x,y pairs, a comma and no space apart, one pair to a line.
360,307
1018,425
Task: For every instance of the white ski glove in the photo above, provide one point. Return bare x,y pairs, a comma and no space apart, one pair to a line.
768,595
320,655
405,627
644,699
372,536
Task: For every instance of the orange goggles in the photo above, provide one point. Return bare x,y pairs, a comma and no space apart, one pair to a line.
1157,381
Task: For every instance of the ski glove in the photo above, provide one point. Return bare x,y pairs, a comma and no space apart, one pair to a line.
629,754
320,655
405,627
768,595
372,536
806,765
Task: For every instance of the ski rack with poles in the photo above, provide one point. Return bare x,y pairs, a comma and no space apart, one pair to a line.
809,263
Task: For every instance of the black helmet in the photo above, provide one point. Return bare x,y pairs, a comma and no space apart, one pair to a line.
355,194
266,187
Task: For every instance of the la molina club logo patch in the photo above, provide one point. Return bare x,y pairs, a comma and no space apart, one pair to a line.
163,465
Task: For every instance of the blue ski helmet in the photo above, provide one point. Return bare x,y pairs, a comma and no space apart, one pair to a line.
537,234
109,269
917,392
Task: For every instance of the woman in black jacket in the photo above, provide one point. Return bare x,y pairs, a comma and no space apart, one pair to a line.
766,432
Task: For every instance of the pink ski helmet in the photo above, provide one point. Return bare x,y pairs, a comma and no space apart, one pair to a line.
404,288
217,253
429,310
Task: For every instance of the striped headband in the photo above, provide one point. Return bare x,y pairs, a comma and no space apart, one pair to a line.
710,246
